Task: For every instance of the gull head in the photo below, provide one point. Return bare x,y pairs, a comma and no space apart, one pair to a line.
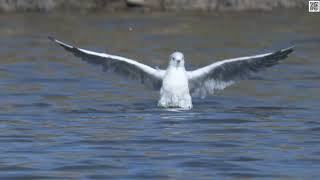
176,59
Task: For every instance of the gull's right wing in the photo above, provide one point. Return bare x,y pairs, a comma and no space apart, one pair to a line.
120,65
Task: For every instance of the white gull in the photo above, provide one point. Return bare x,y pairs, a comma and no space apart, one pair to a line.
176,84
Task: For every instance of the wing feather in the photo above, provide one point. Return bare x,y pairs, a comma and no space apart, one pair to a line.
120,65
224,73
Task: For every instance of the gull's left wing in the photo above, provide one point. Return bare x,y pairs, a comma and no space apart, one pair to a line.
221,74
120,65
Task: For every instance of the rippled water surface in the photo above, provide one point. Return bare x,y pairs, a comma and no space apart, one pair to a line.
61,118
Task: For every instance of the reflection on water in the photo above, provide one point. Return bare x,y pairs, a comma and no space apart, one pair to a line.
62,118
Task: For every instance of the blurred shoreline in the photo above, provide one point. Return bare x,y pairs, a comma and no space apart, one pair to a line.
7,6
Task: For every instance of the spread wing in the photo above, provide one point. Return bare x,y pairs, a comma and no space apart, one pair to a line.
221,74
120,65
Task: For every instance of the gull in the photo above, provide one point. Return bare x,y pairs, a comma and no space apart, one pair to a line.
176,84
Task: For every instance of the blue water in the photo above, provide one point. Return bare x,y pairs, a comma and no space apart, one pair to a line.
61,118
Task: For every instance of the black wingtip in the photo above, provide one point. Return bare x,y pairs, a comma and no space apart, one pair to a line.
284,52
288,50
280,55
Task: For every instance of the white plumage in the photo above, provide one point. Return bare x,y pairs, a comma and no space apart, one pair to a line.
175,83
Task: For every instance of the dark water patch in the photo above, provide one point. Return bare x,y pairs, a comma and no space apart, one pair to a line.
253,175
99,142
15,140
102,143
265,111
204,118
269,108
160,142
33,105
312,123
30,152
48,80
85,111
215,164
87,167
314,129
120,156
27,176
220,121
20,94
151,175
17,136
52,95
168,157
100,176
284,130
7,168
245,159
228,144
172,122
229,131
114,108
